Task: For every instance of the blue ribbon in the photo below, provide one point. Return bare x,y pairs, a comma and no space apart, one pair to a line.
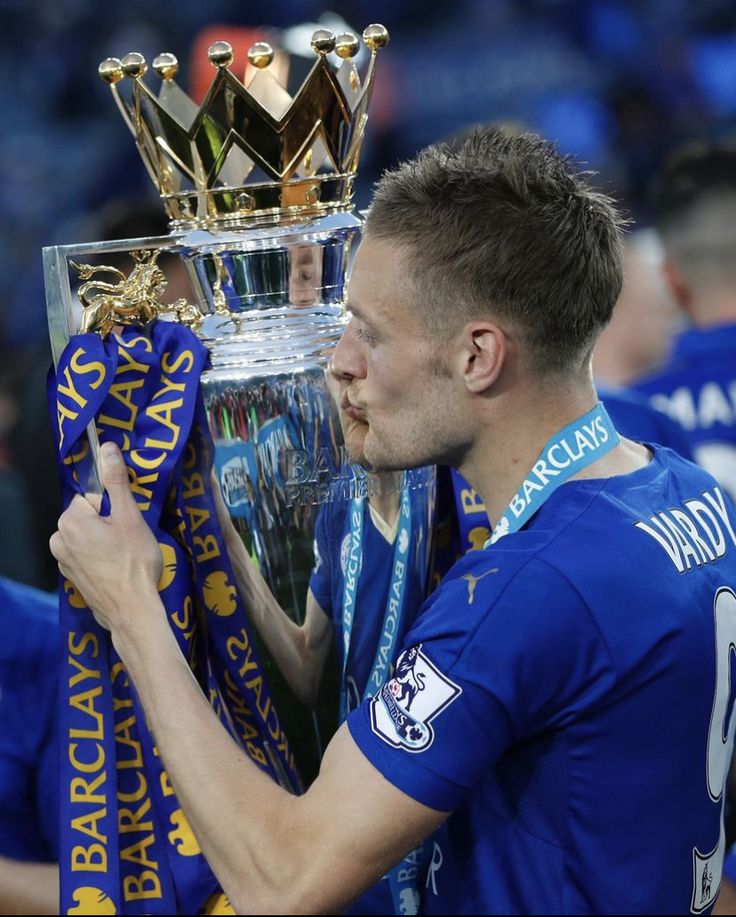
576,446
395,603
125,842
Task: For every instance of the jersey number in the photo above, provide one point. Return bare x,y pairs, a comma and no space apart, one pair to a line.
707,867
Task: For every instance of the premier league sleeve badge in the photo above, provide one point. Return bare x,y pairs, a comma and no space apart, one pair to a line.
403,710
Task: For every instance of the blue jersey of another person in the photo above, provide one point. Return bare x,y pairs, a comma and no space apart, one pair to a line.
327,583
637,419
697,388
559,704
332,545
28,751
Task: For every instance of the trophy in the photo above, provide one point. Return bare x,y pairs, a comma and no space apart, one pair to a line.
257,185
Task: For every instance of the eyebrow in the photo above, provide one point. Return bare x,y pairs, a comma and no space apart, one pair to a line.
354,310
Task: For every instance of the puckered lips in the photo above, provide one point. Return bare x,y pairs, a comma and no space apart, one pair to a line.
353,411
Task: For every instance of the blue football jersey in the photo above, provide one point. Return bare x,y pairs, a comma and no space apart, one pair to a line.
697,388
29,653
565,693
327,583
332,550
634,417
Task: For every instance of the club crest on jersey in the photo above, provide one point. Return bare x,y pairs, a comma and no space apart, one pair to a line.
403,710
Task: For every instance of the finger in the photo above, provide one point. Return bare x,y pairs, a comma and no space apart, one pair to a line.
115,479
82,504
94,500
56,546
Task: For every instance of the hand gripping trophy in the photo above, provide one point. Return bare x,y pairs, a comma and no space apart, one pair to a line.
273,538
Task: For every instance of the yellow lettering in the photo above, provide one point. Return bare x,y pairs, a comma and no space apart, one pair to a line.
166,788
169,386
69,390
196,516
90,859
192,484
130,819
81,790
147,885
87,824
77,648
84,369
84,702
183,619
148,463
81,765
123,392
185,357
471,501
82,671
134,342
124,738
162,414
137,488
205,548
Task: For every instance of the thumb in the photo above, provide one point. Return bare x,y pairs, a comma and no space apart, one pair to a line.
115,477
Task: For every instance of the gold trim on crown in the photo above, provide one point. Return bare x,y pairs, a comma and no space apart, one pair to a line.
252,155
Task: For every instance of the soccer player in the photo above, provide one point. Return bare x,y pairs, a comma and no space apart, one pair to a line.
29,788
563,700
695,203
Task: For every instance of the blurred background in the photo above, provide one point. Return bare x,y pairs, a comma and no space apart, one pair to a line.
616,83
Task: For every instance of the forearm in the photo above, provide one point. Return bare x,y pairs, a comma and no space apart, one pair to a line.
297,658
28,888
234,809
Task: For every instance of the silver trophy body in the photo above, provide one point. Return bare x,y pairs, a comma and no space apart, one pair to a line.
272,303
266,264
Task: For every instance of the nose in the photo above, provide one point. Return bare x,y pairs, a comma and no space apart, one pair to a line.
348,362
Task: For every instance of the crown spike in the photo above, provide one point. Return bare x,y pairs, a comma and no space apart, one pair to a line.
255,154
375,37
261,54
134,65
111,70
166,65
220,54
347,45
323,41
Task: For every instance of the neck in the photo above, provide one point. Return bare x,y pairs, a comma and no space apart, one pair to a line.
512,439
717,308
385,501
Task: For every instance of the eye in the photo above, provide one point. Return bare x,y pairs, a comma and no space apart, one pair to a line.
366,336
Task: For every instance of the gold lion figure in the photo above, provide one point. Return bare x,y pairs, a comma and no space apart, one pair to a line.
132,300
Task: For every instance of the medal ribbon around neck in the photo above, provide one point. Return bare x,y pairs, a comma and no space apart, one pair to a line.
576,446
395,603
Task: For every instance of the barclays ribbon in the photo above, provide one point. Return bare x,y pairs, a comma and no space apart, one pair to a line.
126,846
578,445
88,851
241,674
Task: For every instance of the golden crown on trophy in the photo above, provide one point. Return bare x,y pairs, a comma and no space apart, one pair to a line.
255,154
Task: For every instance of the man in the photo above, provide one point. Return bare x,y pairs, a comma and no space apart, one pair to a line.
552,704
695,204
28,750
645,319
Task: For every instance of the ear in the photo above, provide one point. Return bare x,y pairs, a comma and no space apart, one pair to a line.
483,348
678,285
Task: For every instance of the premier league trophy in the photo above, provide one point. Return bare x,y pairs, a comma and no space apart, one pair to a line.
257,185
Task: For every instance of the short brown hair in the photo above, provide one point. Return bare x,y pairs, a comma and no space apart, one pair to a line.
502,224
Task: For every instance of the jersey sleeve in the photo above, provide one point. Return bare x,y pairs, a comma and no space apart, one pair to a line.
494,658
